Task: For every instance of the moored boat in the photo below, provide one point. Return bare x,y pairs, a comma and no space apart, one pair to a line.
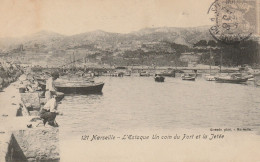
79,87
210,77
250,77
233,78
75,86
127,73
159,78
144,74
169,73
188,77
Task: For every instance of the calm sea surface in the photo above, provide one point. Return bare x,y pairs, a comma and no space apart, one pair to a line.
137,103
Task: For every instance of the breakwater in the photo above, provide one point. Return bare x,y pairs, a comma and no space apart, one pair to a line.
23,137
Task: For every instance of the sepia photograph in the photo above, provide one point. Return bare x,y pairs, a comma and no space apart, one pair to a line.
129,80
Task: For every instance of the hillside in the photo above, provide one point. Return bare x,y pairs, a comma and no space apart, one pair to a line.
55,41
149,46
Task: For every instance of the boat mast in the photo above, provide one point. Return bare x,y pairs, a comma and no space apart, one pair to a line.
210,61
74,64
220,60
70,63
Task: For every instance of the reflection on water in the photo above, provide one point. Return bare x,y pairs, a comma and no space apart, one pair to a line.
136,103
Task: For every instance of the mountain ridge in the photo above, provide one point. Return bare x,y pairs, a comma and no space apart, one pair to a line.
55,41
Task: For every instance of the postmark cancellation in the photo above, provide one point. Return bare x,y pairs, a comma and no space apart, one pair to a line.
234,20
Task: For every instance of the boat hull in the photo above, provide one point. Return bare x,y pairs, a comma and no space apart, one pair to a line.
159,79
188,78
144,75
221,80
168,74
91,89
210,78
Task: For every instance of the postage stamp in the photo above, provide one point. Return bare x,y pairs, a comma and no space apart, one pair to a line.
234,20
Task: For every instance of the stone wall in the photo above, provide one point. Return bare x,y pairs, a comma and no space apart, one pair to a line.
31,101
14,152
34,145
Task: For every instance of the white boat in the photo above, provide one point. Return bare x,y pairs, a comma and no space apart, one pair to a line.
210,77
188,76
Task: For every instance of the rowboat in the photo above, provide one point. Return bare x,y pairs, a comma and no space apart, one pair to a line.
210,77
79,87
188,77
159,78
73,86
168,73
144,74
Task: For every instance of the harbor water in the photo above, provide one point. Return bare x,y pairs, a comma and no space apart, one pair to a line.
140,103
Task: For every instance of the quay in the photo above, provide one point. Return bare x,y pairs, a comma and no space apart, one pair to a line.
23,137
18,142
137,70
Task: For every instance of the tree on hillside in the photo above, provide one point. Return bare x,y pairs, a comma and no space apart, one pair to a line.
212,43
245,52
201,43
207,48
177,50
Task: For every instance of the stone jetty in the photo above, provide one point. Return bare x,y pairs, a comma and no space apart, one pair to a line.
23,137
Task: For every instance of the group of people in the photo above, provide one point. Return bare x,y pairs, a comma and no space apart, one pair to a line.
49,111
8,73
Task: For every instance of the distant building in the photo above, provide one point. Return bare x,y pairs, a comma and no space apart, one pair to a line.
190,58
21,48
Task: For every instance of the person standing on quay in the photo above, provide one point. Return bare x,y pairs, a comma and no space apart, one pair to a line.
50,88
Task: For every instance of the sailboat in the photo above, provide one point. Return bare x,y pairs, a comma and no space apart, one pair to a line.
77,84
210,77
232,78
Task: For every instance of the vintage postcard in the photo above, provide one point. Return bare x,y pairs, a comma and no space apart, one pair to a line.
130,80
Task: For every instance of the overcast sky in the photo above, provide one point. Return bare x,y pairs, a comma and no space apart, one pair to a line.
23,17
